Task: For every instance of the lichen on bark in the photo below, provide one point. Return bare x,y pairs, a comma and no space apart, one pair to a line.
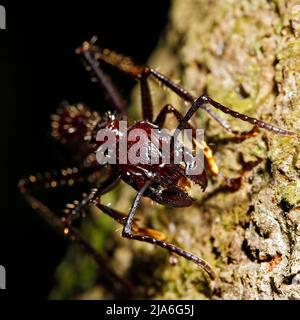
246,55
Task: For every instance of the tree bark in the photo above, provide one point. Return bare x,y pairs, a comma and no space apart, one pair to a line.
246,55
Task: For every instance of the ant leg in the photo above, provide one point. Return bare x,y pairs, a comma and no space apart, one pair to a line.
92,65
167,109
185,95
74,210
93,54
126,65
53,179
129,220
127,233
202,100
73,175
91,60
64,177
155,237
208,154
72,233
121,218
146,96
231,183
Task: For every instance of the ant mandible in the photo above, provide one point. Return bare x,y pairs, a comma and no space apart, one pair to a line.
76,126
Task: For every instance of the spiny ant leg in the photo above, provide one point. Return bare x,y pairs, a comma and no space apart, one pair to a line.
92,65
112,58
243,117
185,95
121,218
94,196
202,100
146,96
231,183
208,154
66,175
91,59
56,178
150,235
157,238
127,233
73,211
52,179
74,235
167,109
126,65
173,249
94,54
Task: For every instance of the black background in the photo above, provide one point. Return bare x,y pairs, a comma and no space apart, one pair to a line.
38,70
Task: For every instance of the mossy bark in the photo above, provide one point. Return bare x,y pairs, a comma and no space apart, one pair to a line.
246,55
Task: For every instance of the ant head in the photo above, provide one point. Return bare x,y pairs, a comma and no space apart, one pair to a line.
72,124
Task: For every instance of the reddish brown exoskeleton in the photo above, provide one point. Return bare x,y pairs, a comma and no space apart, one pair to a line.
76,127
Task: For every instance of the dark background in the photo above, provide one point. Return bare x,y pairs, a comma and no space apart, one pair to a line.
38,70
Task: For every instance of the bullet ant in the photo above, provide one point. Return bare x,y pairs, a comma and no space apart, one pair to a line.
76,127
